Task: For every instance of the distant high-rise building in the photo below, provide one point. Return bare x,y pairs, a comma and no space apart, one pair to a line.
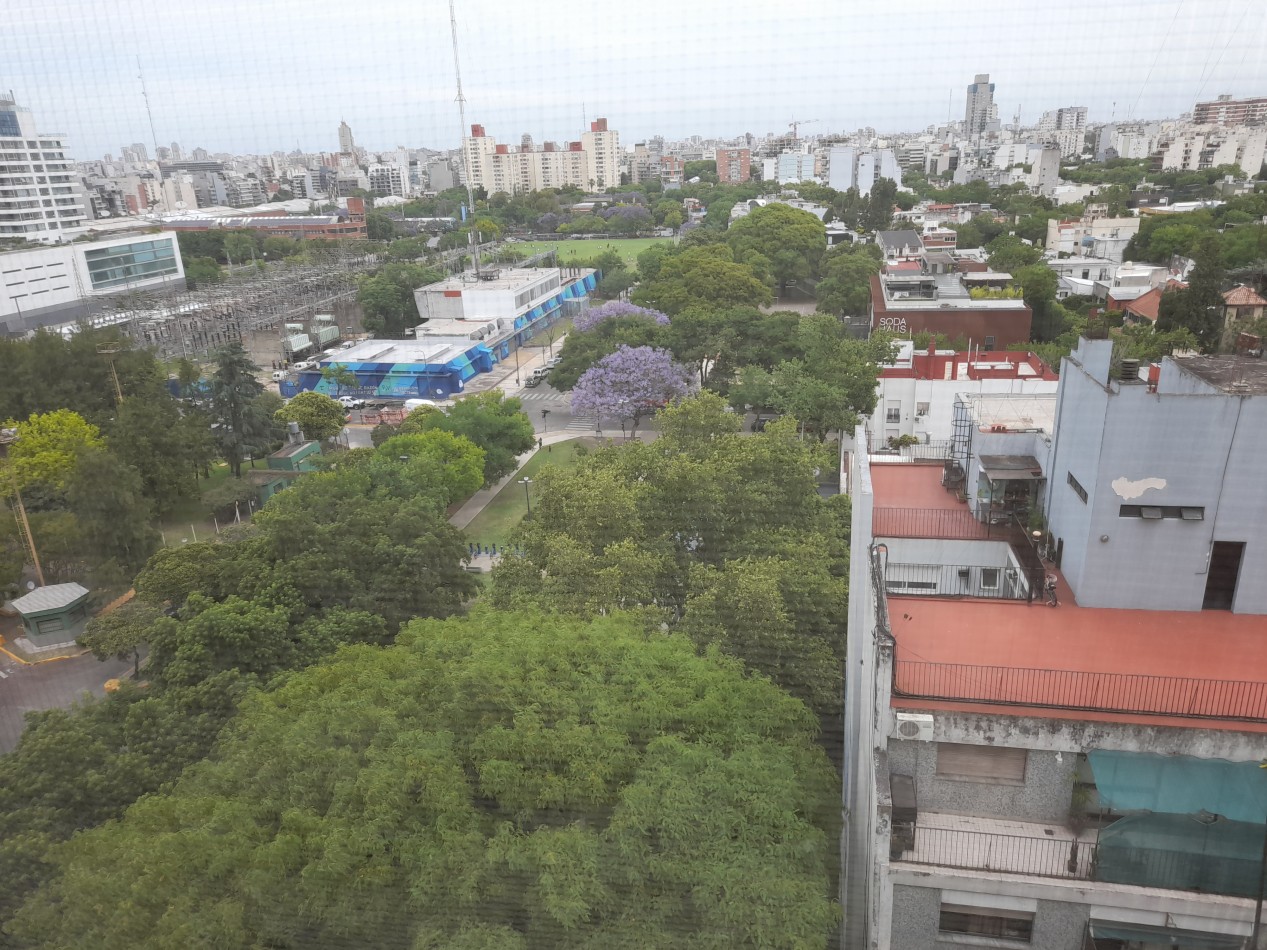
45,196
164,154
200,155
440,175
734,165
980,110
177,152
1228,111
602,149
138,149
850,167
1045,174
345,137
593,162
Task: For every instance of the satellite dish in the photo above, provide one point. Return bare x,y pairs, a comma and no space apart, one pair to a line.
30,585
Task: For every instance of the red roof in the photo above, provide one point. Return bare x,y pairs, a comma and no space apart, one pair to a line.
1243,297
995,654
1146,305
1135,657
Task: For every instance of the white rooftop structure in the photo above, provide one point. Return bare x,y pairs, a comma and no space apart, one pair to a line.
52,597
1014,412
436,349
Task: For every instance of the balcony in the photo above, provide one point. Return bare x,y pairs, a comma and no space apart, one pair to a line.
1001,846
1100,692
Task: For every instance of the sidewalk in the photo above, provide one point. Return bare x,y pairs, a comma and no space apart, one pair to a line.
505,370
475,504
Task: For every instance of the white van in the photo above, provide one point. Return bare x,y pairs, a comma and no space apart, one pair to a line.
279,375
412,404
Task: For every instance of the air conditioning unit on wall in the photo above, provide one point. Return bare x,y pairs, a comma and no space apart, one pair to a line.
915,726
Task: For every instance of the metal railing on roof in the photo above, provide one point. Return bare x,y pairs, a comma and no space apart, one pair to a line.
1125,693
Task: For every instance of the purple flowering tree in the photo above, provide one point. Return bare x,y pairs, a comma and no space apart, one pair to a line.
629,384
589,319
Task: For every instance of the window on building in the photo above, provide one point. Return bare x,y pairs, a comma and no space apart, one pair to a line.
1076,486
986,922
1163,512
921,408
992,765
990,578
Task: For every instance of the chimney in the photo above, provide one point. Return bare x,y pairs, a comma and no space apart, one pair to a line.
598,125
293,434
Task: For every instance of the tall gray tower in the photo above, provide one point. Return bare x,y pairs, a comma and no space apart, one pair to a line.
980,109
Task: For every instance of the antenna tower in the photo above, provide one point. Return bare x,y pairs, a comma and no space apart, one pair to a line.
472,237
146,96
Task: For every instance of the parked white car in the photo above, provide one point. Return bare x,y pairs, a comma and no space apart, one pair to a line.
352,402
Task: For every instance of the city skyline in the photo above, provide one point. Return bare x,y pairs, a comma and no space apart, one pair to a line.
240,78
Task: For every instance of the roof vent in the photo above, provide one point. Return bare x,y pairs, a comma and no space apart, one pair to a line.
1130,370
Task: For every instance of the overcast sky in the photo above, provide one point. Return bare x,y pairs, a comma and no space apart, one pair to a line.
258,75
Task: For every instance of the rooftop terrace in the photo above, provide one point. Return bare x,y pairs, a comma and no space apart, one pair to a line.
1147,667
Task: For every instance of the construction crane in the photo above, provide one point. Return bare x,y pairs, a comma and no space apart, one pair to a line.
797,123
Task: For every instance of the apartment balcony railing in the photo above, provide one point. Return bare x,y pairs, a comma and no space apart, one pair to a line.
1083,857
935,450
1011,854
948,523
1129,693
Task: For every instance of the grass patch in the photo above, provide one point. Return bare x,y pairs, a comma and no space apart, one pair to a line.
570,250
501,516
191,511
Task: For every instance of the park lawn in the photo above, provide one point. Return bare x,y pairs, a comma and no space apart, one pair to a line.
501,516
570,250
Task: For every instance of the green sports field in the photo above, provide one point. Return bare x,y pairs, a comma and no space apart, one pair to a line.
570,250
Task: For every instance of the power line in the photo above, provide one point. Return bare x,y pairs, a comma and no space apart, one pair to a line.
1160,47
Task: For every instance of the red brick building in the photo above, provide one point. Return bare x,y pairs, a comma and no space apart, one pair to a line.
734,165
907,304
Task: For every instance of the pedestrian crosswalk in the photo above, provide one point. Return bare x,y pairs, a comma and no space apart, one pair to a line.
549,396
582,424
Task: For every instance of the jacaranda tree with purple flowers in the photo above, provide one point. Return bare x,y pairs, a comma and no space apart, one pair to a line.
630,384
592,317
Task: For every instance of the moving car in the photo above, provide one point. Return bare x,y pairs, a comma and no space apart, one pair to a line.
352,402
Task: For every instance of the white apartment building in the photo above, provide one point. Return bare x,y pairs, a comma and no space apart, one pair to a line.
916,392
1083,777
39,190
388,179
602,155
593,162
851,167
1198,147
1045,172
1097,237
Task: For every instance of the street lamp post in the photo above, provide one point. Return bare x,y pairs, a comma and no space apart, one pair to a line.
545,421
517,361
525,482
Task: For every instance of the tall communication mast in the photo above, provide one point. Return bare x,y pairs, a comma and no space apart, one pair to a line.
472,237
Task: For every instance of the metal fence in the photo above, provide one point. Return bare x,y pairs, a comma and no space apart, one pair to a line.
1085,858
949,523
1129,693
1012,854
936,450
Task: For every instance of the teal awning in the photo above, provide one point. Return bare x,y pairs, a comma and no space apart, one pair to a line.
1180,785
1165,936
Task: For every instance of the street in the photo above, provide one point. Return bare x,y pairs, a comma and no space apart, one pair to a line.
55,684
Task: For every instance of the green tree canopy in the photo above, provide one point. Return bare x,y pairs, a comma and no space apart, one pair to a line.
638,796
47,447
492,421
792,240
701,276
319,416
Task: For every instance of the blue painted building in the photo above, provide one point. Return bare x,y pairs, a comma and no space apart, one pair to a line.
470,324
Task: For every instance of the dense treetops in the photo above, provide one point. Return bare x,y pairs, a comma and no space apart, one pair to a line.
510,780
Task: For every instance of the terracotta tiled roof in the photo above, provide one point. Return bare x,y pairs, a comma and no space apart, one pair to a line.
1243,297
1145,306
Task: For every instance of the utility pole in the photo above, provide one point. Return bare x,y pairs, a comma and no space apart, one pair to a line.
471,236
7,438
